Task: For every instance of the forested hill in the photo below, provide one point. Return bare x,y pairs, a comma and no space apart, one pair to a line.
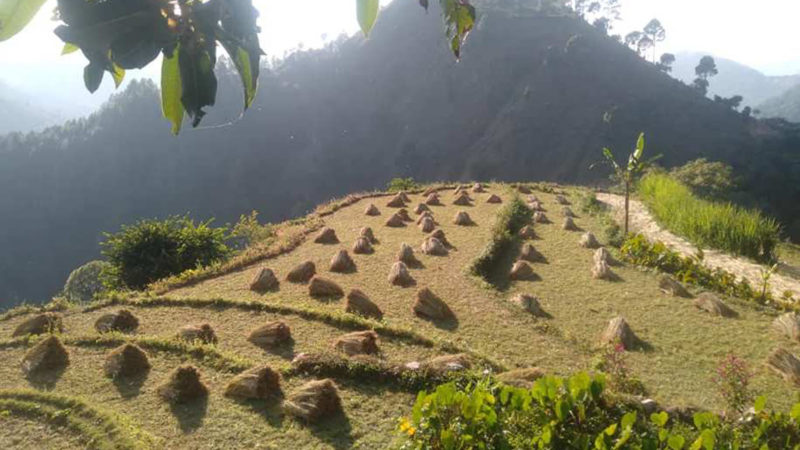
532,98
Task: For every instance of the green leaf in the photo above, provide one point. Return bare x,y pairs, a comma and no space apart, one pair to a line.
118,73
459,18
171,90
659,419
639,146
795,413
760,403
93,76
676,442
69,48
367,12
196,60
628,419
243,59
15,15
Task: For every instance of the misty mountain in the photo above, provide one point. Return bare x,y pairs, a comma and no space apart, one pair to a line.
21,112
786,105
734,79
533,97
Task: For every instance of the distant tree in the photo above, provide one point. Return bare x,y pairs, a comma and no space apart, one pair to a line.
632,39
732,102
747,111
665,63
600,13
707,178
656,32
705,69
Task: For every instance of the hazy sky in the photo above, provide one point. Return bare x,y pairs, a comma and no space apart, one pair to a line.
761,34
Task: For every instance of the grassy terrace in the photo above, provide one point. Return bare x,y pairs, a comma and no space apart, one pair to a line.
686,343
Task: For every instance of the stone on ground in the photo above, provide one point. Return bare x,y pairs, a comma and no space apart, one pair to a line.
448,363
358,343
462,218
127,360
521,271
122,320
713,305
399,275
257,383
619,332
320,287
527,232
789,325
669,286
372,210
427,225
362,246
47,355
528,303
341,262
358,303
395,221
184,385
569,224
434,247
326,236
785,364
302,272
264,280
530,254
314,401
588,240
396,202
201,332
429,306
406,254
47,322
494,199
270,334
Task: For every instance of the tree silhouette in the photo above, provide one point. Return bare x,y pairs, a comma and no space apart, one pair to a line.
705,69
665,63
656,33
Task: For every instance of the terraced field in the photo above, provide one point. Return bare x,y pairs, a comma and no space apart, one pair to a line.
684,344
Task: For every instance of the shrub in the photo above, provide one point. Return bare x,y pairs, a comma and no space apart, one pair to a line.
510,219
248,231
612,362
401,184
154,249
86,281
706,178
733,382
717,225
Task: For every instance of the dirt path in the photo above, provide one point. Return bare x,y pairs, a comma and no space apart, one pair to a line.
641,221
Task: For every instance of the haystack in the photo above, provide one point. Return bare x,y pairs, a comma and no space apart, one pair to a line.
561,200
669,286
48,354
539,217
399,275
462,199
532,199
372,210
786,365
569,225
789,325
421,208
448,363
396,202
122,320
320,287
404,197
341,262
567,212
127,360
521,271
521,378
494,199
618,331
536,206
358,303
326,235
314,401
527,232
357,343
184,385
257,383
434,247
478,188
424,215
395,221
601,270
265,280
48,322
302,272
433,200
439,234
713,305
430,306
601,254
362,246
528,303
530,254
462,218
588,240
201,332
367,233
427,225
403,213
429,191
522,189
270,334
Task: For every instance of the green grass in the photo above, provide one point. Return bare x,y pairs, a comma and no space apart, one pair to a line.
504,240
722,226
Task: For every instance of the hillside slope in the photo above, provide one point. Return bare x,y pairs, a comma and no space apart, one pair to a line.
681,350
532,98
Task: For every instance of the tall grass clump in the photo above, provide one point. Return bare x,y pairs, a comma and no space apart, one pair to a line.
722,226
510,219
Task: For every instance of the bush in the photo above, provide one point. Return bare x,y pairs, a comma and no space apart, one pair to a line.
248,231
733,382
511,218
86,281
155,249
706,178
401,184
574,412
709,224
